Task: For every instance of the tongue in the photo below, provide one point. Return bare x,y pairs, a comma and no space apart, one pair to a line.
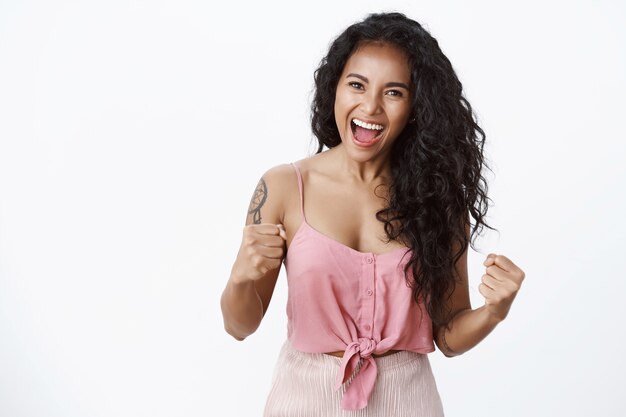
365,135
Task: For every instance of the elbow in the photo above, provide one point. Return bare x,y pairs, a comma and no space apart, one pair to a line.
446,351
237,336
238,331
450,355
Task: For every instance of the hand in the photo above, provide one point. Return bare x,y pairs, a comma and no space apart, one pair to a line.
262,249
500,284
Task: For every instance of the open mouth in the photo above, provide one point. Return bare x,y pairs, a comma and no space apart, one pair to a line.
366,132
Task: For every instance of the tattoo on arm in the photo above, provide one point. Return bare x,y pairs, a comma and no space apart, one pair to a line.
445,329
257,201
445,343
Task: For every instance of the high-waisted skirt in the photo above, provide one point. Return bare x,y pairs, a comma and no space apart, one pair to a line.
302,386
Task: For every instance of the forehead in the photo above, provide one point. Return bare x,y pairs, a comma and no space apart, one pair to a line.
379,60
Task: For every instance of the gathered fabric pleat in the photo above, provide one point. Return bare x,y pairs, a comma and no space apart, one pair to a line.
303,386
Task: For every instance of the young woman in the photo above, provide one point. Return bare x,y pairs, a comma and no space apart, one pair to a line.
373,233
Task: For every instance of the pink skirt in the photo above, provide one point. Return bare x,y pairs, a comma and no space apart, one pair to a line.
302,386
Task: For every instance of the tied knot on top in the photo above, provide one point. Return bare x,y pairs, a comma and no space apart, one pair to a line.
362,385
365,346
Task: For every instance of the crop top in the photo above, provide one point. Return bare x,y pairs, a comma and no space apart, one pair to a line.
341,299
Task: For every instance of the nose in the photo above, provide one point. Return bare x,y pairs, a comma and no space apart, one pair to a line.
370,103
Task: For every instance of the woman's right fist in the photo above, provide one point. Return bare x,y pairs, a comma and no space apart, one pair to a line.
262,249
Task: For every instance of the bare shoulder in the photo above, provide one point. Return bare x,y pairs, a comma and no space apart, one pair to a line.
314,164
270,195
279,173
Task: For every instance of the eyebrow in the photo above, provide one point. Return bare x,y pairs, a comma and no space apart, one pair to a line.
389,84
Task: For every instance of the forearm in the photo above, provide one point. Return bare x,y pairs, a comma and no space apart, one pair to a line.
242,308
467,329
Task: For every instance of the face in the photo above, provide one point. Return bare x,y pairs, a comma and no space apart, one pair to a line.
373,103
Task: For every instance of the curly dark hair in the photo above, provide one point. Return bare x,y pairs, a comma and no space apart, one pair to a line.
436,161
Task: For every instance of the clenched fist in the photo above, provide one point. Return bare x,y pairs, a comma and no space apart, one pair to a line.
500,284
262,249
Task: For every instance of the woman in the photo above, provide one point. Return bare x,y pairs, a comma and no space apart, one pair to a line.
373,233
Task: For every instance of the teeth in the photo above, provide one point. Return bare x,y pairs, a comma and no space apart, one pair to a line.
369,126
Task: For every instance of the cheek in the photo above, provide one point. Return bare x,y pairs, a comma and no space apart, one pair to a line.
340,111
339,103
401,114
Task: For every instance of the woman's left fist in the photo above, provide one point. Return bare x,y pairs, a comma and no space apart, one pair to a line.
500,284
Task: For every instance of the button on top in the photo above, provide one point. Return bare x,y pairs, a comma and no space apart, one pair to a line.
369,292
369,260
367,327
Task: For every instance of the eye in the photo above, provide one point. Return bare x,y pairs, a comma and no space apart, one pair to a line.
355,84
395,93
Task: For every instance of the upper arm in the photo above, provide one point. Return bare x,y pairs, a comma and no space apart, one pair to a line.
267,206
459,299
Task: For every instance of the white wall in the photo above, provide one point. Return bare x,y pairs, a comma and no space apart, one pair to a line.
133,133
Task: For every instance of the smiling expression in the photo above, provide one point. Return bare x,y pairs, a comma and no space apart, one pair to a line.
374,93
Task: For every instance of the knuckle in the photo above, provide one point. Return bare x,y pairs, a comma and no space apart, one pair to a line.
250,251
257,261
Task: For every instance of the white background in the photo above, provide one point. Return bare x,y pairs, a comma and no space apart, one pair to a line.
133,134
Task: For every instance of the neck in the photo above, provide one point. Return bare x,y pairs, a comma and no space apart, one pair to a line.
365,171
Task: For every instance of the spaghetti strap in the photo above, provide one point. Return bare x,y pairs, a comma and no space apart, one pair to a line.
300,187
